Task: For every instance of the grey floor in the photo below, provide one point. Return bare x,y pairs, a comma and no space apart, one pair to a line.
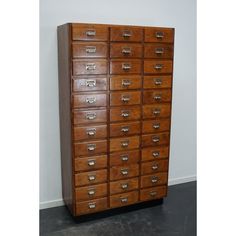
175,217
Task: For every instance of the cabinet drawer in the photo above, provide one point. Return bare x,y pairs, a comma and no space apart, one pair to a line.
89,100
156,96
125,50
124,129
90,148
157,67
91,206
153,153
154,166
92,177
159,35
90,192
123,186
125,113
124,199
155,111
126,34
124,158
125,98
152,126
161,81
121,144
153,193
123,172
90,163
89,32
153,180
118,82
89,50
89,66
120,66
158,51
89,116
155,139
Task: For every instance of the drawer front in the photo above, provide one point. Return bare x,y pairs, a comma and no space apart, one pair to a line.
123,185
118,82
124,50
125,98
158,51
123,172
126,34
89,50
125,66
89,32
153,193
124,129
153,153
156,96
91,206
159,35
89,116
121,144
89,67
124,158
90,163
81,84
154,166
125,113
124,199
157,67
154,180
152,126
93,177
163,81
156,111
155,139
90,192
90,148
89,100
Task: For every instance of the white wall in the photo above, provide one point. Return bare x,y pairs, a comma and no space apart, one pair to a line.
179,14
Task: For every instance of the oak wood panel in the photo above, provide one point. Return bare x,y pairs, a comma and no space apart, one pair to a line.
154,166
124,158
124,50
125,113
156,96
122,186
125,98
153,153
159,35
153,193
124,199
155,139
125,128
123,172
124,143
126,34
158,50
157,125
124,66
123,82
157,81
154,180
156,111
157,66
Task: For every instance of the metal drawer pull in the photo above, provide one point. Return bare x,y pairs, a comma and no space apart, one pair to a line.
153,193
159,50
126,82
91,32
124,199
124,157
125,114
157,97
91,49
91,177
91,132
91,116
91,147
154,179
159,35
158,66
125,144
125,129
156,112
156,126
124,186
91,192
91,162
126,51
155,167
91,83
157,81
92,205
155,154
124,172
126,66
90,66
125,98
126,34
91,100
155,139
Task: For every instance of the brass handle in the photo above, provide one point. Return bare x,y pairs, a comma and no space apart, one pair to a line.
159,35
155,139
91,100
91,177
124,199
124,172
92,205
91,32
159,50
124,186
126,82
156,126
125,129
155,167
91,162
157,81
91,116
125,98
126,66
90,49
91,132
126,34
154,179
126,51
91,192
90,66
153,193
155,154
91,83
125,143
156,112
125,114
124,157
91,147
158,66
157,97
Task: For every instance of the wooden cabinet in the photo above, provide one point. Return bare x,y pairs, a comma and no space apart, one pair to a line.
115,92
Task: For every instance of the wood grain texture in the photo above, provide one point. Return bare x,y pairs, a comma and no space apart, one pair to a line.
156,111
125,113
153,193
124,158
155,139
154,167
124,82
158,66
118,34
156,96
123,199
124,66
159,35
158,50
125,128
125,50
157,125
157,81
125,98
154,153
124,143
124,172
123,186
154,180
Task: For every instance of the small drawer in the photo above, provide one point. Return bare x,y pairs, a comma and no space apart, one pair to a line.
121,144
93,177
124,129
158,125
161,81
154,166
124,158
123,172
91,206
155,139
123,50
123,185
156,111
156,96
124,199
153,193
118,82
157,67
126,34
154,153
158,51
90,163
125,98
90,148
125,113
159,35
90,192
89,32
154,180
89,100
89,66
122,66
89,116
89,50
